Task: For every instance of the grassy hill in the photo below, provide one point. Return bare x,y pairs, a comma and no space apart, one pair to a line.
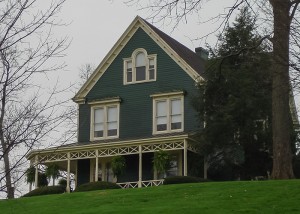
219,197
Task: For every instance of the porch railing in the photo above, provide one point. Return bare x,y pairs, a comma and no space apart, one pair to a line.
126,185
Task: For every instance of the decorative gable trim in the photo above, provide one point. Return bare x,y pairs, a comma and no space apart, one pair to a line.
168,94
120,44
105,101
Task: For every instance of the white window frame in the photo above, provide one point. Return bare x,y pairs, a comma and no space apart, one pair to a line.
132,59
167,97
105,105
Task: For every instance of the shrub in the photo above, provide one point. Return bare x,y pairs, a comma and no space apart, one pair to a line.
42,180
62,182
118,165
183,179
46,190
161,161
99,185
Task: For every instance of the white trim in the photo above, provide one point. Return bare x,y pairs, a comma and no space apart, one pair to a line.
105,129
167,97
68,188
185,164
168,94
104,102
133,67
103,145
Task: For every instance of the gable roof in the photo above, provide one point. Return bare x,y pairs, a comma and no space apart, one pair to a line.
185,53
189,61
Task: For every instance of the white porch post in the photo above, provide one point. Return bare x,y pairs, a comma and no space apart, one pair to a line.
140,167
184,158
96,166
36,172
68,174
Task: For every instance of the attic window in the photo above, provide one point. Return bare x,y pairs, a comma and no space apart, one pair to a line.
141,67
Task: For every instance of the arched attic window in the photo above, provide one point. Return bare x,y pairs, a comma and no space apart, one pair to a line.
141,67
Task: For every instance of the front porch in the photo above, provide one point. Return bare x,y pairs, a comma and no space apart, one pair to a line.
91,162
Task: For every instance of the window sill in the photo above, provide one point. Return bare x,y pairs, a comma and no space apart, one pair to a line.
103,138
137,82
167,131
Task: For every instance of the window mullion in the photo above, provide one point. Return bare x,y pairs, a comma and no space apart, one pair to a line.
147,69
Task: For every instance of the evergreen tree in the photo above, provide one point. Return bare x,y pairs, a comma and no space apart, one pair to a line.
235,104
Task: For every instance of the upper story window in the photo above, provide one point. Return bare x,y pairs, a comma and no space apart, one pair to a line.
104,120
141,67
168,113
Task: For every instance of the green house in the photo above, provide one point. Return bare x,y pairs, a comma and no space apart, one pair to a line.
137,101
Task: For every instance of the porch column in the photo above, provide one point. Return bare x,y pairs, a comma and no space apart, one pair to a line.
36,178
184,158
140,167
96,166
68,174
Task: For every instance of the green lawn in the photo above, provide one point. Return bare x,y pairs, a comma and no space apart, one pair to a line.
219,197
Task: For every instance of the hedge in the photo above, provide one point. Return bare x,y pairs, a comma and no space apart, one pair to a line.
183,179
99,185
46,190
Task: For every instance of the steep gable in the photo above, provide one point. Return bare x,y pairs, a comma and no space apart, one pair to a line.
185,53
184,57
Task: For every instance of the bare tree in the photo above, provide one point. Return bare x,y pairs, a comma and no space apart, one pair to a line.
285,20
26,114
85,72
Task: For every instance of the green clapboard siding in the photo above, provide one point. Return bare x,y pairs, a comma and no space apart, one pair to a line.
136,105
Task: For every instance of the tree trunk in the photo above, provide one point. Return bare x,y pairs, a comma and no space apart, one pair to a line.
205,167
8,183
282,153
4,144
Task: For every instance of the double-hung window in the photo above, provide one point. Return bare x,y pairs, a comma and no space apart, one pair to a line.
167,113
141,67
105,121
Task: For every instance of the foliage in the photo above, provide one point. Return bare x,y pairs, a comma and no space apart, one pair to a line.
209,197
235,102
161,161
183,179
118,165
62,182
52,171
30,175
42,180
99,185
46,190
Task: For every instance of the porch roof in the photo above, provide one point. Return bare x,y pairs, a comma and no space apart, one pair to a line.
110,143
